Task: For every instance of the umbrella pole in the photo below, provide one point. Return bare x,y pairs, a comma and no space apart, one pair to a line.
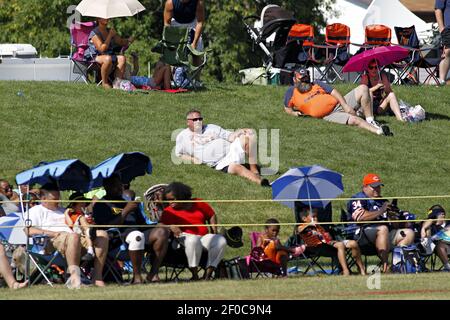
309,197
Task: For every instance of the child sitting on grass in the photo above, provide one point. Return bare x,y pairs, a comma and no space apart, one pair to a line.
319,241
273,249
76,220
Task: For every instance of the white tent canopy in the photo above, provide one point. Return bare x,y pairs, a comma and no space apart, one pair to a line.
393,13
357,15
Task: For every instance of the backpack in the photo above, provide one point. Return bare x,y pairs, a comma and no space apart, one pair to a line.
406,260
235,269
180,78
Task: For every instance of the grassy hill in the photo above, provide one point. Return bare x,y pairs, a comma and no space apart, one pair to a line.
56,120
51,121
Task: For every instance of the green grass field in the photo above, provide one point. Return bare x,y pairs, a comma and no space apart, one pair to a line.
54,121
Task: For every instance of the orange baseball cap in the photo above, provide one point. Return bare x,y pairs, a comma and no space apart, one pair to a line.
371,179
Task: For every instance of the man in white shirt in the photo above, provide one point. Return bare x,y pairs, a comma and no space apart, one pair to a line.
218,148
48,219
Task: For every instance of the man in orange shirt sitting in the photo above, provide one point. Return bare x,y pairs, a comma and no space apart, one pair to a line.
319,100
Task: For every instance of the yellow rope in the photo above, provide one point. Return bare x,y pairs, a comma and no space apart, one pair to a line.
233,225
234,200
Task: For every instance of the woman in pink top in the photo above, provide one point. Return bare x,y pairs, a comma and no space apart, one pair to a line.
380,89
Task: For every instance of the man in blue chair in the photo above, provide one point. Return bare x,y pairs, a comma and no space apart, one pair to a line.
368,205
48,219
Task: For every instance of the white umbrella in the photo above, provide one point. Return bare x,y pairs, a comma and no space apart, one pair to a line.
108,9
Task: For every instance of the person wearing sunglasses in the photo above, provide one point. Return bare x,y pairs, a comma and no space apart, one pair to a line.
189,222
383,97
6,196
320,100
218,148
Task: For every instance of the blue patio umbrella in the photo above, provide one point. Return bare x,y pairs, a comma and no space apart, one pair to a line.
11,229
70,174
126,165
314,182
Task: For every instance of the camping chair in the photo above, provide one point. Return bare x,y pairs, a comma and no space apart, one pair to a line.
337,51
350,232
79,40
262,267
314,255
408,70
176,51
301,40
376,35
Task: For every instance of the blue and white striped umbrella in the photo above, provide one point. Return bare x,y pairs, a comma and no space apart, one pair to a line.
314,182
11,229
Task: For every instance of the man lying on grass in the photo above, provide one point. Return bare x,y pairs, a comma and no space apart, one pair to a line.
319,100
218,148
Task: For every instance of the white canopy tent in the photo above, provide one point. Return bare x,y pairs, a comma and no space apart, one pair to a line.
393,13
357,15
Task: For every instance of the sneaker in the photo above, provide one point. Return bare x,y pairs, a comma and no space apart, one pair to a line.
265,183
87,257
386,130
375,124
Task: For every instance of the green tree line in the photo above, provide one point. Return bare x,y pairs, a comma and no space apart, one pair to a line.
44,24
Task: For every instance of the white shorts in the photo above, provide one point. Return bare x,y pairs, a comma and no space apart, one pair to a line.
192,26
235,155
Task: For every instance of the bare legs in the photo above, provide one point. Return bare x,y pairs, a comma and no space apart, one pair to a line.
158,240
363,97
382,245
105,62
392,102
444,65
101,250
162,76
5,271
361,123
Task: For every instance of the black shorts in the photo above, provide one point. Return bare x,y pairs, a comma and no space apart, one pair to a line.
445,37
324,250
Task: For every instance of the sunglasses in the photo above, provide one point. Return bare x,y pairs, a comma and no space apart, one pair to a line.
372,67
196,119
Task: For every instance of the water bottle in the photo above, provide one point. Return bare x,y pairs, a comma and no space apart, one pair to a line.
293,270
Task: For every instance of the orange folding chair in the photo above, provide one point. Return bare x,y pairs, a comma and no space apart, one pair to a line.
377,35
303,36
337,51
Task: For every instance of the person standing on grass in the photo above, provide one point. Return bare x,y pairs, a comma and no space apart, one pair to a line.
442,13
218,148
187,14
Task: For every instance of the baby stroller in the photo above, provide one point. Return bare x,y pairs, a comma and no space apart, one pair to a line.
270,31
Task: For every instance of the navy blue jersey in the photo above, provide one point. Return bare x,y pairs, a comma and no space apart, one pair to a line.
369,205
444,5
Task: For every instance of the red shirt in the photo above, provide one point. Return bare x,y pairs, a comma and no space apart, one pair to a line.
199,213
